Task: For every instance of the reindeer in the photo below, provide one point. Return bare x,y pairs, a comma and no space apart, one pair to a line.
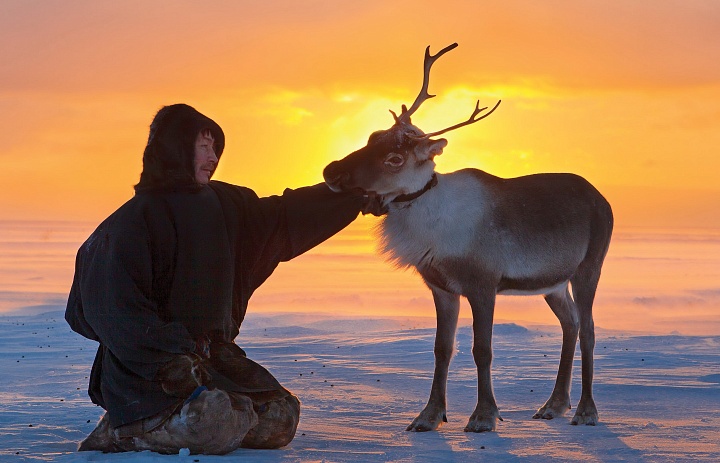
472,234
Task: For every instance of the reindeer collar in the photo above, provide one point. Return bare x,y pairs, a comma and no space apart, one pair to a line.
410,196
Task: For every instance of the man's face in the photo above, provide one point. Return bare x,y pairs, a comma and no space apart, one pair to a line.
205,158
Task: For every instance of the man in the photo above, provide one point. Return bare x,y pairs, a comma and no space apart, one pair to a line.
163,285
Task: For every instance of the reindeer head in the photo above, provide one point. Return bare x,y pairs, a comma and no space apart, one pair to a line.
398,160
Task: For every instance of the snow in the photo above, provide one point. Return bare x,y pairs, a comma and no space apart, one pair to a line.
362,381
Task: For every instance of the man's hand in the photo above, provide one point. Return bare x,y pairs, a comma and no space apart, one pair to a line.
182,375
374,205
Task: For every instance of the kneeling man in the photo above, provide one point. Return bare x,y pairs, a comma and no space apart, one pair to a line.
163,286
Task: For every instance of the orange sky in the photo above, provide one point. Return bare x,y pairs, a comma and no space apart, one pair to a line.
625,93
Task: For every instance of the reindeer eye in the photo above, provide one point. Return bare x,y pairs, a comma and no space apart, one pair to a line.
394,160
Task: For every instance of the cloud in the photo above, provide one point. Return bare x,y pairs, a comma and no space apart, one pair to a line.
694,298
288,300
708,293
284,105
19,301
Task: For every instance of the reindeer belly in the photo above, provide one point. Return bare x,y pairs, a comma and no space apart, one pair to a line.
540,267
529,288
457,277
489,264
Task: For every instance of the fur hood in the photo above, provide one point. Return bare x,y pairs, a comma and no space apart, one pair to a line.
170,151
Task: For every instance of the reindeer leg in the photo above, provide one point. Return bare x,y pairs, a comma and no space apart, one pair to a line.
584,286
486,413
447,306
564,308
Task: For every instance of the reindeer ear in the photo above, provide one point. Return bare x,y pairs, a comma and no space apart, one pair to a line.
428,149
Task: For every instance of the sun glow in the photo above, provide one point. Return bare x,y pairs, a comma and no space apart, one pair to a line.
574,96
604,89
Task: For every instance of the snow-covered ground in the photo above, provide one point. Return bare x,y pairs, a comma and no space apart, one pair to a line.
361,381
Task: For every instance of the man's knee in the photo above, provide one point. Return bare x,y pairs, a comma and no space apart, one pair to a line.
277,423
210,424
213,423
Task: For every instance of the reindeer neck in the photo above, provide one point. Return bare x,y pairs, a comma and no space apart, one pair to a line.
405,199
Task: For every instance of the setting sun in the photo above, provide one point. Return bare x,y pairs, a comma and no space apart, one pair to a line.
625,95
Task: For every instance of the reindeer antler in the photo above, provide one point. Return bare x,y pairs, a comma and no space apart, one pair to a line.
429,60
423,95
472,120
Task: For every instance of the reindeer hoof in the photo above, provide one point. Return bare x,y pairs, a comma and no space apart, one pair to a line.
588,420
421,427
586,413
428,420
481,426
486,423
553,409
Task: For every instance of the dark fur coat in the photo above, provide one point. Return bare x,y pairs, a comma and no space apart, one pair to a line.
179,262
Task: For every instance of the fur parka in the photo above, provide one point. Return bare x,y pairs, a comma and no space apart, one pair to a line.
178,263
